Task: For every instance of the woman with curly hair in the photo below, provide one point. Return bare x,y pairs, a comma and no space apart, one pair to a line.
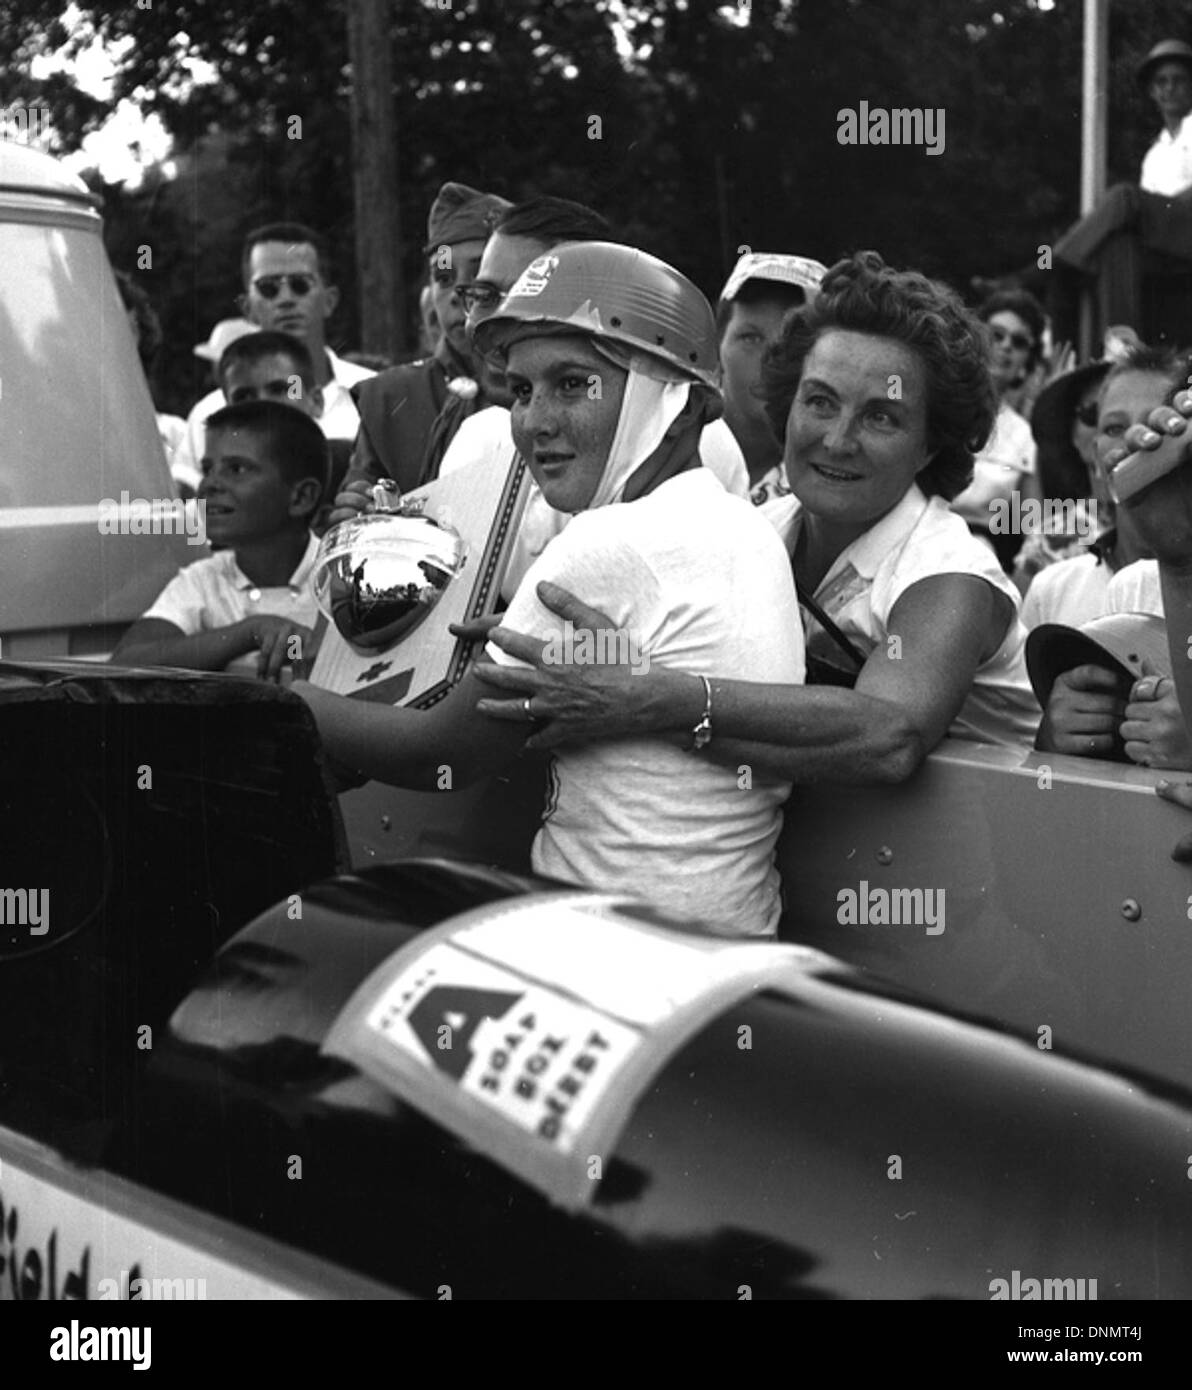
881,394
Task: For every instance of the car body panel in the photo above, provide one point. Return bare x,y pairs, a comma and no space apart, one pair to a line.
764,1165
1043,861
70,1233
856,1144
77,425
1066,916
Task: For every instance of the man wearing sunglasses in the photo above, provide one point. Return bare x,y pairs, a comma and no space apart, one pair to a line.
283,268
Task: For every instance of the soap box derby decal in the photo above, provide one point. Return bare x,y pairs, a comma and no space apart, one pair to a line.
531,1029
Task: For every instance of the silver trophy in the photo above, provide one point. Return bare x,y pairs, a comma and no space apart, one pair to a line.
378,575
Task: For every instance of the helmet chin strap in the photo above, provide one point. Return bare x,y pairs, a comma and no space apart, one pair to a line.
679,449
648,408
658,431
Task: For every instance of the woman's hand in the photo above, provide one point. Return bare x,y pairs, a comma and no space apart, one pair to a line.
1063,360
1153,729
570,703
475,630
1162,512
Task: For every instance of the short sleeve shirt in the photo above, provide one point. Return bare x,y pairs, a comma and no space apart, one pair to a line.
920,538
486,436
998,468
695,839
1167,165
215,592
1071,592
1136,589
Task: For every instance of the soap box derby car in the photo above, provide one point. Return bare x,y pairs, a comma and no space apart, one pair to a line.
260,1041
223,1061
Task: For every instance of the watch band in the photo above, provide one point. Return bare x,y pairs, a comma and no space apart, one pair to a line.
701,735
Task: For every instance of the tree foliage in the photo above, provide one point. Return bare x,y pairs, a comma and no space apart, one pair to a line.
716,122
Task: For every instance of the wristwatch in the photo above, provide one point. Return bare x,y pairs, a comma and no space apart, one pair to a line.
701,735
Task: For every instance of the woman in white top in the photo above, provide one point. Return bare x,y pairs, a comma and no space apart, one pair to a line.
882,395
611,359
1006,465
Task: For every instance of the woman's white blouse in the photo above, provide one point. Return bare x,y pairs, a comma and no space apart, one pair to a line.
920,538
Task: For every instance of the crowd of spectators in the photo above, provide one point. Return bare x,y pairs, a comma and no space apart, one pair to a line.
843,515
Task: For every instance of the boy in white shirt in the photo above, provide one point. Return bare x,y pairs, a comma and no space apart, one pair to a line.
264,472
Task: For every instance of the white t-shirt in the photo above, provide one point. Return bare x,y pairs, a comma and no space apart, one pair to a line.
1167,165
699,582
214,593
1136,589
340,418
918,539
998,468
487,436
1072,592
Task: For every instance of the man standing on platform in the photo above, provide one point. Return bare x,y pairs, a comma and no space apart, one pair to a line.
1154,215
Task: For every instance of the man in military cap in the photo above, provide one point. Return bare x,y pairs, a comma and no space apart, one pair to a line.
1155,214
409,413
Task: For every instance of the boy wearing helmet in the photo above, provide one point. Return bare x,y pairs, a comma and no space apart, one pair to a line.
611,359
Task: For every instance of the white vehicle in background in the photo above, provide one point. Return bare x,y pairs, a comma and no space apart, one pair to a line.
77,426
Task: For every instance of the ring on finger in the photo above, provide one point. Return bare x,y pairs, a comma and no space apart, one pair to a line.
530,715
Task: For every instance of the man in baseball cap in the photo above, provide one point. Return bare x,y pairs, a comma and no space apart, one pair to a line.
763,288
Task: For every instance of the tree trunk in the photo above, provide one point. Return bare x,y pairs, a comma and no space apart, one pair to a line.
374,162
